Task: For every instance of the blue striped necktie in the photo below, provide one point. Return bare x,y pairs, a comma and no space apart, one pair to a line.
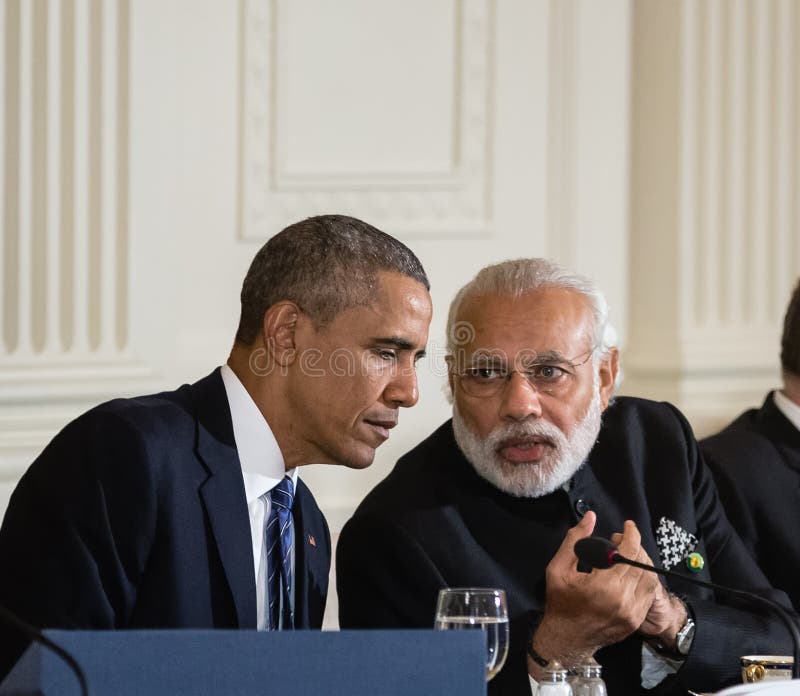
279,540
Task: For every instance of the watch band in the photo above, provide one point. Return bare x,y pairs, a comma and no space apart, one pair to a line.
685,637
535,620
536,657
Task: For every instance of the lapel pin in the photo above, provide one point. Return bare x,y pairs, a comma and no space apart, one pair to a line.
695,562
312,540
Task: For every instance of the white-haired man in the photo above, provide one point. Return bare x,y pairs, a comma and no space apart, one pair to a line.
498,497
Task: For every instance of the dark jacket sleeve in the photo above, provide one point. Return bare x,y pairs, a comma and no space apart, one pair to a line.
77,532
738,509
725,629
384,577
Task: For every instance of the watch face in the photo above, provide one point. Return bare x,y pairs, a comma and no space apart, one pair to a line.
685,638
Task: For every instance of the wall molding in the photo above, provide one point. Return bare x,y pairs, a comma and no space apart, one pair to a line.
715,250
455,203
40,398
64,187
562,147
708,400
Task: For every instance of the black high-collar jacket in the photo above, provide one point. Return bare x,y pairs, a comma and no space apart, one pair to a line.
433,523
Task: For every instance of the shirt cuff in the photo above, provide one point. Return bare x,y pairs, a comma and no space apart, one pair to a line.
656,667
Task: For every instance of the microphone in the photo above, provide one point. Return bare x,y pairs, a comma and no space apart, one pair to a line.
35,635
597,552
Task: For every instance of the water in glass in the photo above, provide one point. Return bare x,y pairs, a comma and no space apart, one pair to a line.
465,609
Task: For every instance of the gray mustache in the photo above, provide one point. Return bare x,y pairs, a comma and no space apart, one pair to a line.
537,428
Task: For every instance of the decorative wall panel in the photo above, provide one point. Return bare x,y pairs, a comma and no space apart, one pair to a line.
562,99
448,198
63,205
724,102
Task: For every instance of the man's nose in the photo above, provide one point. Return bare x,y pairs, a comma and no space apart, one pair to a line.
520,399
403,389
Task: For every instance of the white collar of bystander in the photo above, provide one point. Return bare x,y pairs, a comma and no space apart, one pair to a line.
788,408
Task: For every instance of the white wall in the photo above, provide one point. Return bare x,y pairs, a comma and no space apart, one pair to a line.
181,134
715,226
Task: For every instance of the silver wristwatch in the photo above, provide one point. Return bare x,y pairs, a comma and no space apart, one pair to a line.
683,641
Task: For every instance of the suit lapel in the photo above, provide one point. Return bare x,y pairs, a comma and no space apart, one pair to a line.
312,560
223,494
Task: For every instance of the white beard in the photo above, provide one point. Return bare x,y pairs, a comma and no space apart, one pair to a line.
533,480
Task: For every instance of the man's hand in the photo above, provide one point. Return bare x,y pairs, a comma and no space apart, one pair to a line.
586,611
667,613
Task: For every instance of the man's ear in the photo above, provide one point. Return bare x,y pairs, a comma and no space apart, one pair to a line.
450,360
278,332
608,370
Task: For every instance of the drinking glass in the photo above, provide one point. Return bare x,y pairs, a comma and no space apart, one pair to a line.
476,608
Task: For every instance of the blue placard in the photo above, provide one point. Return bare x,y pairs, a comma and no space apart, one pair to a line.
237,663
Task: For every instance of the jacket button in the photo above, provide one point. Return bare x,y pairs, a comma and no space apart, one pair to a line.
582,507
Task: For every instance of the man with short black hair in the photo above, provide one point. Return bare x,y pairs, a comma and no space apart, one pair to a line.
537,456
184,509
756,464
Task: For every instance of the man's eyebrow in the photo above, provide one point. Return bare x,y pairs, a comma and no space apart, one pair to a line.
399,343
395,341
550,356
486,359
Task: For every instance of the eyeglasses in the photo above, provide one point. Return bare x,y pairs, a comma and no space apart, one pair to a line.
546,372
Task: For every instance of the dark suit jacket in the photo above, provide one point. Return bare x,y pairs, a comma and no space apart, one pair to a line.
756,464
135,516
433,523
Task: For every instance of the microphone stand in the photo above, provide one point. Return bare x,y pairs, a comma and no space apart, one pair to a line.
30,632
777,609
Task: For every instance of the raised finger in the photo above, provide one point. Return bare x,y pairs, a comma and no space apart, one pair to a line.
629,546
565,560
631,540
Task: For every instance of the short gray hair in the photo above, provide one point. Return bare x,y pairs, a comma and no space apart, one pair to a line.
521,276
324,264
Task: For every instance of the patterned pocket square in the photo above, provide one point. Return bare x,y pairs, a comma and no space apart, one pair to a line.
674,542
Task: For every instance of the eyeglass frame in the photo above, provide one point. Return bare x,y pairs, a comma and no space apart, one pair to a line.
506,379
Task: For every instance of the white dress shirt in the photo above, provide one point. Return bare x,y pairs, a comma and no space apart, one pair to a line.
788,408
262,469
